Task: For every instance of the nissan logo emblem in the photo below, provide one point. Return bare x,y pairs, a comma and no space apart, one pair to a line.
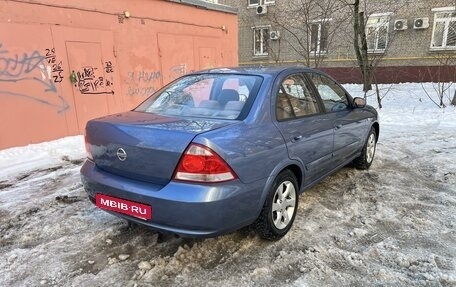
121,154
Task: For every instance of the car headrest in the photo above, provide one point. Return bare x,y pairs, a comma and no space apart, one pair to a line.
227,95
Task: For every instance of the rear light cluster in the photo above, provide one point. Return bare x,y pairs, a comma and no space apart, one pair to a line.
200,164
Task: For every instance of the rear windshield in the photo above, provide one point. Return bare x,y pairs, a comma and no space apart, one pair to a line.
221,96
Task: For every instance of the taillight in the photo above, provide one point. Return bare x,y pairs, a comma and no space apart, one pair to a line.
200,164
88,149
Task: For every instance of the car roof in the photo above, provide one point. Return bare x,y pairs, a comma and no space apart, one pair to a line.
255,70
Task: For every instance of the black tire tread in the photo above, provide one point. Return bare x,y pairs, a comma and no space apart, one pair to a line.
361,161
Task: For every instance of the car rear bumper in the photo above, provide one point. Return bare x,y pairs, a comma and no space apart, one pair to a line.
189,210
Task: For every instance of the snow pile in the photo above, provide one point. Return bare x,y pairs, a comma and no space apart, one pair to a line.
44,155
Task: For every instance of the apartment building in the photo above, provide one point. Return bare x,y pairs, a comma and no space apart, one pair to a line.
407,40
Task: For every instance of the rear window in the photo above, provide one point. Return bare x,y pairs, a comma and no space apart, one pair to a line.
222,96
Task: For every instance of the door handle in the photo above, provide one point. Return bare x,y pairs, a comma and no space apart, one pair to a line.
339,126
296,138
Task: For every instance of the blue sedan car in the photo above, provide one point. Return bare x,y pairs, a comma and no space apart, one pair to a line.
218,150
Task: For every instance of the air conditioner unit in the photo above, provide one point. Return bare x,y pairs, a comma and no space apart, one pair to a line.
400,24
421,23
274,35
261,9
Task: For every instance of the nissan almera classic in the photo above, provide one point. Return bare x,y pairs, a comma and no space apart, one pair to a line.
218,150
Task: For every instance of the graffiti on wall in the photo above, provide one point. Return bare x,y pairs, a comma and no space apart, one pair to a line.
178,70
56,66
35,69
108,67
142,83
89,83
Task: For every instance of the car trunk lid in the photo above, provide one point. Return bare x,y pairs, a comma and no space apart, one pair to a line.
143,146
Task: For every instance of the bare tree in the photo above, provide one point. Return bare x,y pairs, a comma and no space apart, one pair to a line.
308,27
360,47
311,26
453,101
443,77
367,58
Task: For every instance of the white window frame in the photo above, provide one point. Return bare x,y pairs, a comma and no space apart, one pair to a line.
446,22
261,2
262,41
384,22
320,23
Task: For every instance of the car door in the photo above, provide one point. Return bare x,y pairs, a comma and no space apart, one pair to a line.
349,124
303,124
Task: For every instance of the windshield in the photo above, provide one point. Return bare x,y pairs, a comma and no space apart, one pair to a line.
222,96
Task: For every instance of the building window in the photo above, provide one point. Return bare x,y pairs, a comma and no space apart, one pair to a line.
261,2
260,41
319,33
444,32
377,28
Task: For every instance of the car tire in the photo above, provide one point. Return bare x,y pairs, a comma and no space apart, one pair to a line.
364,161
280,207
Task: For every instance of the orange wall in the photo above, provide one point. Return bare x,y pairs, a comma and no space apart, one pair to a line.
117,61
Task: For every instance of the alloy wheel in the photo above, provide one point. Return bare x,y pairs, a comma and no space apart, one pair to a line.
283,204
370,149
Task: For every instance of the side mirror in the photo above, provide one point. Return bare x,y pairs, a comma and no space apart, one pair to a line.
359,102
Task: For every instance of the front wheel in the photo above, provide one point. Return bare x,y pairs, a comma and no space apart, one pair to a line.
279,210
364,161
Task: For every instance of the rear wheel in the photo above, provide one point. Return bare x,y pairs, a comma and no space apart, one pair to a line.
364,161
280,207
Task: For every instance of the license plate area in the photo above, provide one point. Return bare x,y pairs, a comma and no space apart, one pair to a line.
138,210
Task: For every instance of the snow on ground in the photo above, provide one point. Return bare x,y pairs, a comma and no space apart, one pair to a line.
44,155
394,225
